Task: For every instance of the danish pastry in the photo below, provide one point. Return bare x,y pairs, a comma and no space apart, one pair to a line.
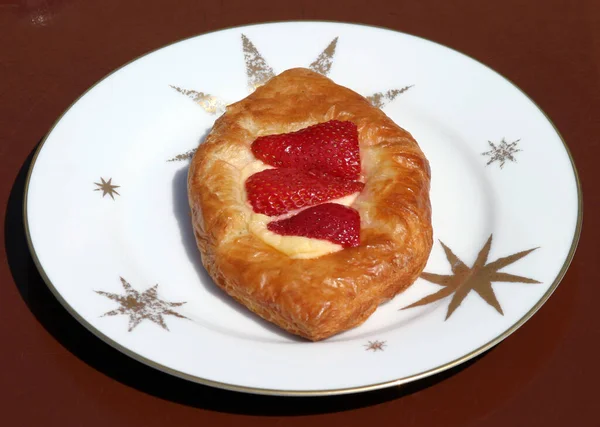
323,279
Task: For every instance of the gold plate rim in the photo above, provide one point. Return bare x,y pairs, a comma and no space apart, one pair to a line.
324,392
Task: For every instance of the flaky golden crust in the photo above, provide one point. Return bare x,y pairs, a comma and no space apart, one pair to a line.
314,298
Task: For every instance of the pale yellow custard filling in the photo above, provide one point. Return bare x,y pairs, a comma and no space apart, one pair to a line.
296,247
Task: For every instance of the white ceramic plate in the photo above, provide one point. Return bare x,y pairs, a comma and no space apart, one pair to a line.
124,262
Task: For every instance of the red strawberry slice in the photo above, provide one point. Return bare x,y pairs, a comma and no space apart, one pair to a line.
330,221
277,191
330,147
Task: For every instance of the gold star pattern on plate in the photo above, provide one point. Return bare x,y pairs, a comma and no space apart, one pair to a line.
184,156
375,346
379,99
258,72
210,104
107,188
142,306
324,61
502,152
478,278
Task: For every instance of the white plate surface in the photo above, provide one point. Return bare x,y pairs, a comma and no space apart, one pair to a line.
499,169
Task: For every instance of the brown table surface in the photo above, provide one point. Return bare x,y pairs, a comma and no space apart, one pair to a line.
52,371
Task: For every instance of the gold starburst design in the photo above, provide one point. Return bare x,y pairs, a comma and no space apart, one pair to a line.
324,61
142,306
379,99
107,188
502,152
478,278
210,104
375,346
184,156
258,72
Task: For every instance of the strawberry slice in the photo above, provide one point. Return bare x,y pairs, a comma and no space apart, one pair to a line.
330,221
277,191
330,147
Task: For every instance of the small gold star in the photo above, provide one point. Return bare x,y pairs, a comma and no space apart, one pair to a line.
107,188
375,346
478,278
142,305
502,152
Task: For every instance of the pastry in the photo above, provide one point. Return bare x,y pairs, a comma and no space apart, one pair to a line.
377,205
